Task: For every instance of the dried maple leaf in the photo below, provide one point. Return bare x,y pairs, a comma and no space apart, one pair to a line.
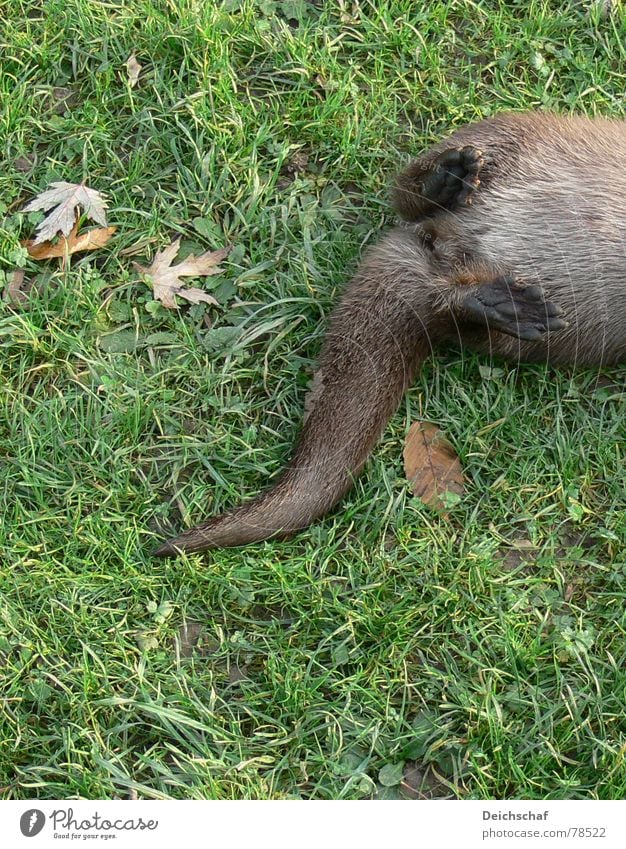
133,69
165,277
89,240
431,464
60,202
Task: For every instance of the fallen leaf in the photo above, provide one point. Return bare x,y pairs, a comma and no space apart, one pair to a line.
60,202
89,240
165,277
14,290
133,69
431,464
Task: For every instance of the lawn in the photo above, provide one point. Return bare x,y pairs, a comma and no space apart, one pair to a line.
389,651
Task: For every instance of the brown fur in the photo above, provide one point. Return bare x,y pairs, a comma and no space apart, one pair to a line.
550,209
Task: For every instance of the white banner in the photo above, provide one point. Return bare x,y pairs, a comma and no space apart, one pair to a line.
255,825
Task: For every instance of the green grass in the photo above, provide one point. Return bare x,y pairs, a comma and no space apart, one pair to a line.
482,655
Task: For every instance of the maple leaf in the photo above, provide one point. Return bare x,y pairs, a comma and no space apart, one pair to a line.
60,201
165,277
89,240
431,464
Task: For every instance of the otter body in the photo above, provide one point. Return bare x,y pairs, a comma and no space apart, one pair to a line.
514,243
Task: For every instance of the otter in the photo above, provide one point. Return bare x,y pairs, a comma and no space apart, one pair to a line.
513,243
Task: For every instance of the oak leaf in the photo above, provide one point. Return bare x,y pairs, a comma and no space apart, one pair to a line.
431,465
88,240
166,278
61,201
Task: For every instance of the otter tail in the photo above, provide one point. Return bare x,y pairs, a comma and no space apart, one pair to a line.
379,333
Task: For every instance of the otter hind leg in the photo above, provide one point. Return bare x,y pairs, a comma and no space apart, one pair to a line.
444,182
512,307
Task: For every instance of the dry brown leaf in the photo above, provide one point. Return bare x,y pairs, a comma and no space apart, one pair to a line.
61,201
88,240
133,69
431,464
165,277
14,292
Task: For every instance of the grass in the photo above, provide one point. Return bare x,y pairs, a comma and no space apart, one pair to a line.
386,652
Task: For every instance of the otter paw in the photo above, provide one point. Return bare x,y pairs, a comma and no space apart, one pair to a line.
512,307
454,177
